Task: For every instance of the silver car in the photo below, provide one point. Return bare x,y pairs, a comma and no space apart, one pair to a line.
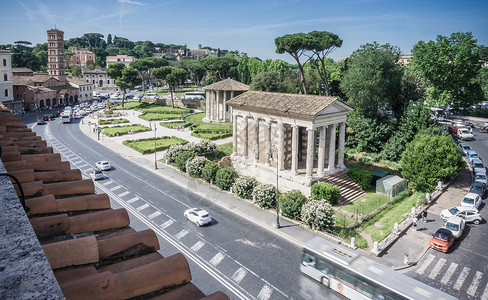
480,177
469,214
96,174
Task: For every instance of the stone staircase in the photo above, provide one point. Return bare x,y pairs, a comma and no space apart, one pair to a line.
350,190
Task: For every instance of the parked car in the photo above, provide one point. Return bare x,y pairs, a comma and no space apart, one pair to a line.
40,121
479,188
471,200
469,214
198,216
484,129
471,154
442,240
96,174
481,177
103,165
46,117
478,165
464,147
455,225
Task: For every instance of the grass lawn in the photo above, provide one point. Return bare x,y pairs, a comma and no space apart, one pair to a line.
210,131
175,123
127,105
366,203
149,116
111,131
381,224
225,149
146,146
113,121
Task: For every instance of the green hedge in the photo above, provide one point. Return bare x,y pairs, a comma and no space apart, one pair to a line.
225,178
182,158
291,204
209,171
326,191
362,177
112,131
146,146
113,121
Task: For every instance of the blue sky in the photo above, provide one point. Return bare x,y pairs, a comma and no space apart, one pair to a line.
248,26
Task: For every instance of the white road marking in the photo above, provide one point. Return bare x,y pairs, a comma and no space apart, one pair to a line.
83,165
124,194
449,272
154,214
437,268
115,188
485,293
461,278
133,200
215,261
144,206
239,275
181,234
167,224
198,245
474,284
107,183
265,293
425,264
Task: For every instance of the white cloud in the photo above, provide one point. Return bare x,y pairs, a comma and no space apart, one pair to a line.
131,2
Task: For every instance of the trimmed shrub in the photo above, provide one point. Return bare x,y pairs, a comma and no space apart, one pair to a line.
291,204
182,158
318,214
209,171
243,187
225,178
362,177
265,195
173,152
326,191
195,166
203,148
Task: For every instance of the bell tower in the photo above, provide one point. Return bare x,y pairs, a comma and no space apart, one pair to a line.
55,54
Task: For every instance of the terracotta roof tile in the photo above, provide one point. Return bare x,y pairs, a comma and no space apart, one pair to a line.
91,248
227,85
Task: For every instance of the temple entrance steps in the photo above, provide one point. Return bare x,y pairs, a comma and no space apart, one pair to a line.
350,190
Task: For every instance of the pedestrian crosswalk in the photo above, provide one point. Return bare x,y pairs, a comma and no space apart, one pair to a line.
460,278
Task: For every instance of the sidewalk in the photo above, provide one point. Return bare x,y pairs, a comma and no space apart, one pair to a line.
414,243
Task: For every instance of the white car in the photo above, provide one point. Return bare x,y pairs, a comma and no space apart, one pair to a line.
455,225
478,165
198,216
96,174
471,200
469,214
103,165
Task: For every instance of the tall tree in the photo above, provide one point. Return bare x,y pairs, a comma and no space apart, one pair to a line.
449,66
373,78
172,76
93,39
125,77
296,45
266,82
109,39
324,43
144,67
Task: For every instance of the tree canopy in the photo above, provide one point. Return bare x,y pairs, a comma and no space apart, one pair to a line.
449,66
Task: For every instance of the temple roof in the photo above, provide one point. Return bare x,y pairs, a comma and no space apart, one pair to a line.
227,85
290,105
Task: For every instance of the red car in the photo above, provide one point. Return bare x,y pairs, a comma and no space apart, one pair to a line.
442,240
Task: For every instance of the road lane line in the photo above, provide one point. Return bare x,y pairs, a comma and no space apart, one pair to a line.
437,268
167,224
181,234
461,278
124,194
144,206
83,165
154,215
425,264
133,200
265,293
485,293
239,275
115,188
474,284
198,245
107,183
215,261
449,272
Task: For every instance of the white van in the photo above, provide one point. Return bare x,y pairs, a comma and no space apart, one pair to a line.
66,117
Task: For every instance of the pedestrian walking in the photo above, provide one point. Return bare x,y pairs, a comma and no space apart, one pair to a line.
424,216
414,223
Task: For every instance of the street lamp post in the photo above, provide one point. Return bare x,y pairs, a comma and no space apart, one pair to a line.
155,160
275,151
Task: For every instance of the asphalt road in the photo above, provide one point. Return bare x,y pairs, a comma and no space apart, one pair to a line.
231,254
461,272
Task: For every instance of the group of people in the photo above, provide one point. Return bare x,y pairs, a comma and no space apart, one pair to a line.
415,220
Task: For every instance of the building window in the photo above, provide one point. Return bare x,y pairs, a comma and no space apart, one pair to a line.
6,92
5,77
4,62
